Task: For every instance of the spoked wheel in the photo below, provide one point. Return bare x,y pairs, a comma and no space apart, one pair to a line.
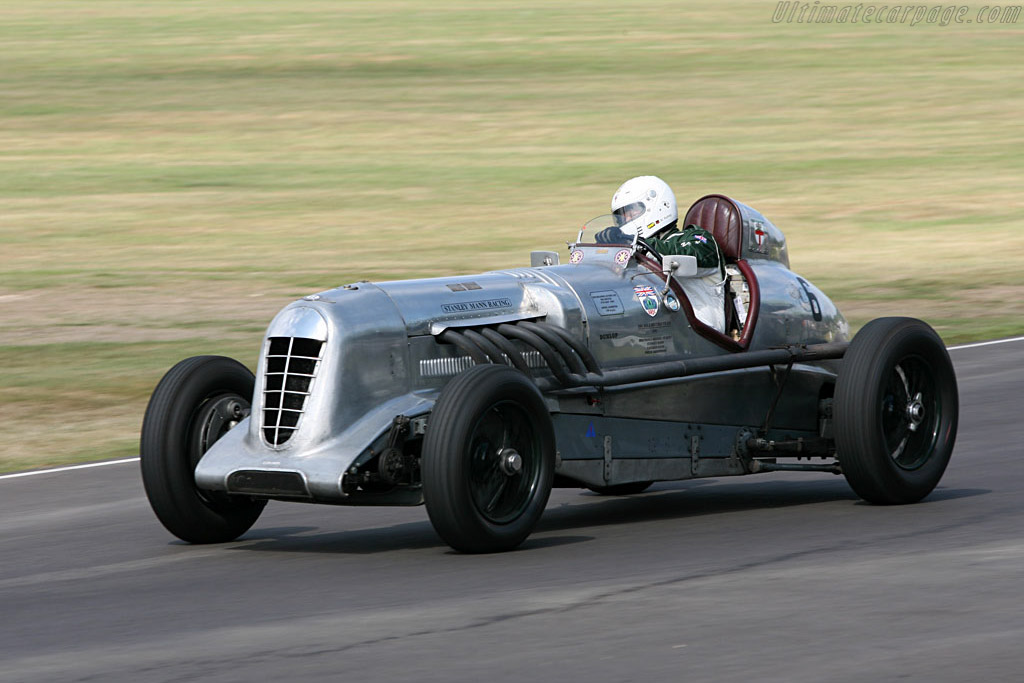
198,401
896,409
488,459
911,411
501,481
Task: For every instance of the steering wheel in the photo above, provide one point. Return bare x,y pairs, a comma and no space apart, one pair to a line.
642,244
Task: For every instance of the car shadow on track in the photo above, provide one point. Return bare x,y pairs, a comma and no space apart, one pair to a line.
678,500
673,500
938,495
409,536
582,510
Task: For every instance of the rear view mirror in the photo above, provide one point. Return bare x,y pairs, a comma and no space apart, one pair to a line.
679,265
539,259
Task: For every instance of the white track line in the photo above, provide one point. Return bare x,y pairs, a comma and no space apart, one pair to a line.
68,468
988,343
124,460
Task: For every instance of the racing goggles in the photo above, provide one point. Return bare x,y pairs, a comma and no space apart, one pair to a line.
629,212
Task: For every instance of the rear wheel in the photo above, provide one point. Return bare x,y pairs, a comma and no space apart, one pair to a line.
896,408
488,459
195,404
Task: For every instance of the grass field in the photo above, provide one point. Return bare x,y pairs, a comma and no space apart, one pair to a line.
172,173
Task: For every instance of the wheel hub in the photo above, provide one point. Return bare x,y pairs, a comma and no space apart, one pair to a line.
915,412
511,461
218,417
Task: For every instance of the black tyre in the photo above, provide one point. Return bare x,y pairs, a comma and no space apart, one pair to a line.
488,459
896,409
630,489
195,403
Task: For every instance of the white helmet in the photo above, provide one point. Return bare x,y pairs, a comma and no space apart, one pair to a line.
644,205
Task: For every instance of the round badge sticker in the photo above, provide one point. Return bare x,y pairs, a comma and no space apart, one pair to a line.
622,256
576,256
671,302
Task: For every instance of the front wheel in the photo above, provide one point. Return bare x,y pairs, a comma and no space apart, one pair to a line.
488,459
896,408
195,403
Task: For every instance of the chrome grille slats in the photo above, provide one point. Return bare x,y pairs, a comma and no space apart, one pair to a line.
290,368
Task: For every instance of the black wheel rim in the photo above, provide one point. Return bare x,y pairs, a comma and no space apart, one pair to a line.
911,410
216,417
504,462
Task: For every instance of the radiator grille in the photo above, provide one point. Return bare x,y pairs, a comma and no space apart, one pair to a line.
291,366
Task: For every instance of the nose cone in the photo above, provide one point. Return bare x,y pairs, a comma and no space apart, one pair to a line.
299,321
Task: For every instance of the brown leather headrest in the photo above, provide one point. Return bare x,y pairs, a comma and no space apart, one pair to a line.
720,216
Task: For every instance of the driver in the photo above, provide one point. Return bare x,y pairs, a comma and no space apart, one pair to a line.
646,206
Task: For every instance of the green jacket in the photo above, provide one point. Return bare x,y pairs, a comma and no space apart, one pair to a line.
692,240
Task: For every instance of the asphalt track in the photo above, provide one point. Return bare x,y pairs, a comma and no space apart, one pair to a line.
763,578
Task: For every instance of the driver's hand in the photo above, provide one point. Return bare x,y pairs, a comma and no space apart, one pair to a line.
647,247
610,235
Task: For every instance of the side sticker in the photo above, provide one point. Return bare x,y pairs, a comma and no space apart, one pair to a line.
648,298
607,302
470,306
758,238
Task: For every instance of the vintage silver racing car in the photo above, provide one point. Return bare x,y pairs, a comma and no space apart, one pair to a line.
477,394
